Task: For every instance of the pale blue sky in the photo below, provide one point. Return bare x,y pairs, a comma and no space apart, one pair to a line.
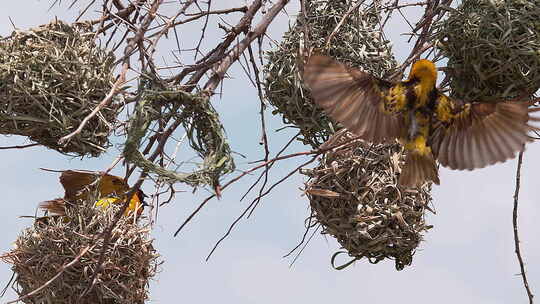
467,258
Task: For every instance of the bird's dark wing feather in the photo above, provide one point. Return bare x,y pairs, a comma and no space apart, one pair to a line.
75,181
475,135
365,105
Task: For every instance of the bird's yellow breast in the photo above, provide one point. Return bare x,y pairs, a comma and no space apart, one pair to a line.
135,204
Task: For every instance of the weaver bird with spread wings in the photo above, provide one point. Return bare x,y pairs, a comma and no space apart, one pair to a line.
105,188
426,122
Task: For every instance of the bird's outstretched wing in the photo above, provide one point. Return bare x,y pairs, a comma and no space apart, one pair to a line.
78,183
367,106
475,135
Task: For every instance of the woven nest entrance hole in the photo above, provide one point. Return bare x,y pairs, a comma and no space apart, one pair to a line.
354,196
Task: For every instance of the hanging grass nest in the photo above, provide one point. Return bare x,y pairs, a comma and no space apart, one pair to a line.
354,196
204,132
359,42
493,49
51,78
49,247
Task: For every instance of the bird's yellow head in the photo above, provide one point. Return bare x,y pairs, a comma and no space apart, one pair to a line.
425,71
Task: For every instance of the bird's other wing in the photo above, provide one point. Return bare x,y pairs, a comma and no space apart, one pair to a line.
75,181
475,135
367,106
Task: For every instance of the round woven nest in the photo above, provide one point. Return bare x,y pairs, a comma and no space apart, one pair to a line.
51,78
492,48
42,251
358,42
204,132
354,196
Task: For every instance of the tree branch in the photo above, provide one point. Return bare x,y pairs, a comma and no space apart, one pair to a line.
515,225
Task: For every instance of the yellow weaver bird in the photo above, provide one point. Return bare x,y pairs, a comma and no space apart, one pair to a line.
426,122
107,189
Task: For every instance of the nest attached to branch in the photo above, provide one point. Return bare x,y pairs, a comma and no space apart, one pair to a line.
51,78
354,196
358,42
492,48
204,131
49,247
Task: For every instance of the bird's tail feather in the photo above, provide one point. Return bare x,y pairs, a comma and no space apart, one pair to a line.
418,169
55,206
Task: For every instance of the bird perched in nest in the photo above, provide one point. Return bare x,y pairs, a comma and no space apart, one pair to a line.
426,122
105,188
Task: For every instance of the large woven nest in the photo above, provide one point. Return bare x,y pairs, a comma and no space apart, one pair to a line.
492,48
205,134
353,194
51,78
44,250
358,42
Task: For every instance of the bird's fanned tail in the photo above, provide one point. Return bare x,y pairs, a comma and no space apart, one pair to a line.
418,168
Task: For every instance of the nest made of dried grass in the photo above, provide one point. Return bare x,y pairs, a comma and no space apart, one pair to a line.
354,196
359,42
42,251
51,78
492,48
204,130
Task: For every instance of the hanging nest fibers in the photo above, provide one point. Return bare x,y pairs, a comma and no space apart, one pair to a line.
354,196
493,49
358,42
51,78
49,247
203,128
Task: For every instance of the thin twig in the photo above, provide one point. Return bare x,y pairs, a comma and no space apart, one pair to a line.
107,100
515,225
264,165
308,228
64,268
305,245
254,202
19,147
239,48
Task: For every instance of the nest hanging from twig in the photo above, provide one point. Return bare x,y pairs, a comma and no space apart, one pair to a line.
492,49
203,129
53,243
51,78
354,195
358,42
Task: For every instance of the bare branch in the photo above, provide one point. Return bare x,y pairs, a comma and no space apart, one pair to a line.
105,102
238,49
19,147
515,225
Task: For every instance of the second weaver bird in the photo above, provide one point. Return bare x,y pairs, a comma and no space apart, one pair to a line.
429,124
104,188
